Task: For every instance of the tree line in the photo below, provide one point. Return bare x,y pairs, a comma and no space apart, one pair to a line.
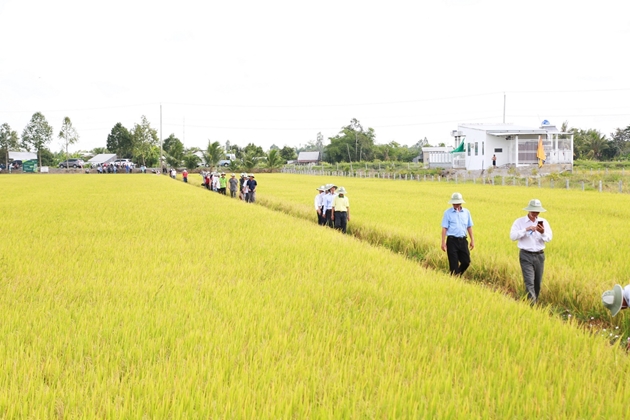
353,143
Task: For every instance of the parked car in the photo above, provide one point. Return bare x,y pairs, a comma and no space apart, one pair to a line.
72,163
123,162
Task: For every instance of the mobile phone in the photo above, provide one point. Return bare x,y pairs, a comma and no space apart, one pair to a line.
540,223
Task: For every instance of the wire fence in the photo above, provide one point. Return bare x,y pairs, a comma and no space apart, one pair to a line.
598,180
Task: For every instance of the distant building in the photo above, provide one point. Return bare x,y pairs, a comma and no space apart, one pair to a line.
437,157
308,157
475,144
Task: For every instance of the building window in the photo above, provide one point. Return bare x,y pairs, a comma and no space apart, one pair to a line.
476,148
483,148
498,150
468,149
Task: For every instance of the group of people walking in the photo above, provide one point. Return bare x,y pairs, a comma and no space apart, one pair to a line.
244,187
531,231
332,207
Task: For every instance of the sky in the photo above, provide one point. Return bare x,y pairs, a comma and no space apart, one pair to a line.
278,72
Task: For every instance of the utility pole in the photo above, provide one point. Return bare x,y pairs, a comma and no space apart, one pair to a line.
161,150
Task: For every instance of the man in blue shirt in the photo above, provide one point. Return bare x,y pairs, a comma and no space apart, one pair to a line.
456,223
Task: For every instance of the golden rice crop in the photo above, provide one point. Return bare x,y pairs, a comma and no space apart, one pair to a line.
586,256
137,296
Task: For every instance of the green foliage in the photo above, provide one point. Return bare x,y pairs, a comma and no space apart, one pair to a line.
273,159
254,151
8,141
191,161
288,153
120,141
214,153
99,150
352,144
145,143
37,134
68,134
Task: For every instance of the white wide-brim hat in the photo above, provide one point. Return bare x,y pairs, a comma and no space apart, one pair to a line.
341,190
613,299
535,205
456,198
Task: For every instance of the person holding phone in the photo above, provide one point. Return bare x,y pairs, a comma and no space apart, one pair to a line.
532,233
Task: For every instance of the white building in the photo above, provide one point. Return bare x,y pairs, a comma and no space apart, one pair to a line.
511,144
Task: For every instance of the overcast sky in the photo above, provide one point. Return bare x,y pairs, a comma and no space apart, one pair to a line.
278,72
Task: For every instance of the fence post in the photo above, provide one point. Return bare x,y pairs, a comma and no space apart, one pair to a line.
551,184
620,186
503,180
527,182
492,180
600,186
567,184
474,180
582,185
538,182
456,178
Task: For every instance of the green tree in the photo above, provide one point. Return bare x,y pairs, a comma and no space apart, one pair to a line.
48,158
288,153
99,150
120,141
351,144
191,161
596,144
621,141
68,135
255,151
274,160
249,161
173,146
589,144
37,134
174,149
214,153
8,141
145,142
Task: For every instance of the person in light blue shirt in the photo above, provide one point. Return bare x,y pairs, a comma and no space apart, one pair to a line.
456,226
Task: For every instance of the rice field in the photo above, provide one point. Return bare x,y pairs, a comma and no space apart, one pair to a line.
586,256
142,297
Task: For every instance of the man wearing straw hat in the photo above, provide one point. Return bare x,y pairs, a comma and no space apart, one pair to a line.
532,232
319,205
341,210
456,224
616,299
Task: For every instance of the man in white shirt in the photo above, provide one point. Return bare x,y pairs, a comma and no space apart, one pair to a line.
532,232
328,202
319,204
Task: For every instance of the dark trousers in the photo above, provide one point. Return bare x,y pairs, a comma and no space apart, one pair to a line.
458,255
233,193
341,220
329,220
532,266
321,217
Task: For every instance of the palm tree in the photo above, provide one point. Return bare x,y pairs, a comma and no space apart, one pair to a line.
596,143
273,159
214,153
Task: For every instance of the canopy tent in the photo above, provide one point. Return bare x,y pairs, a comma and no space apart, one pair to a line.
102,158
23,156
